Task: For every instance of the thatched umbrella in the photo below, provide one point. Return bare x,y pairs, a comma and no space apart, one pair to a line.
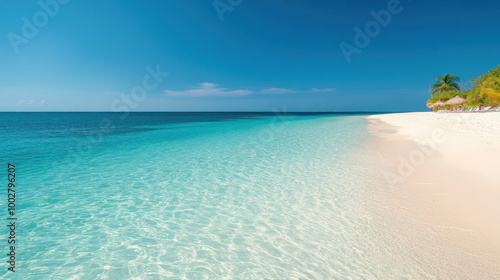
439,104
457,100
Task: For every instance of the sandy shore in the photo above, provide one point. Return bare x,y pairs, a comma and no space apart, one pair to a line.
443,171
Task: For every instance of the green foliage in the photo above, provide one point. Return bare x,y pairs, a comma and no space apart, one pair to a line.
444,96
486,90
474,97
448,82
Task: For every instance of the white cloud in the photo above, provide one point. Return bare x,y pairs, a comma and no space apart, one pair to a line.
276,90
208,85
209,89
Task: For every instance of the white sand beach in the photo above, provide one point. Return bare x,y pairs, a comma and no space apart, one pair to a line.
443,172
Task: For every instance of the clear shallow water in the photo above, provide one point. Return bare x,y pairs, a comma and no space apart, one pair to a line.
190,196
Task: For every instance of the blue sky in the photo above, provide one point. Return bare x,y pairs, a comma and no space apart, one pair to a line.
94,55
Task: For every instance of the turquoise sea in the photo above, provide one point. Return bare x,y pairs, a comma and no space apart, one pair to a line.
191,196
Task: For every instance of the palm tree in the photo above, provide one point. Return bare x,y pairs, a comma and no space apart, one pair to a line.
446,83
491,88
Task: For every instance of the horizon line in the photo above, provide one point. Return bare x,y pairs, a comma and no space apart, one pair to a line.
323,112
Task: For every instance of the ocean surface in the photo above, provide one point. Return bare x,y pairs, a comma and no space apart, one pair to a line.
191,196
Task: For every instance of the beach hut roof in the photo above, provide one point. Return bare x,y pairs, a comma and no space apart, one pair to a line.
457,100
438,104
